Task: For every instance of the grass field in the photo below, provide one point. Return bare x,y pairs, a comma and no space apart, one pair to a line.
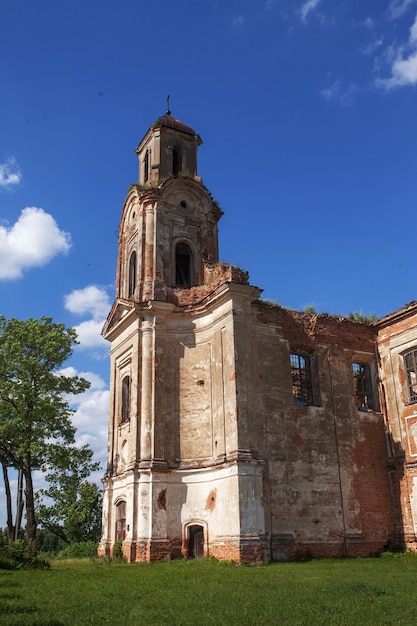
201,593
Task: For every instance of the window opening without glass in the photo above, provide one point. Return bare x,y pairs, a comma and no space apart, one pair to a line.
176,162
410,361
302,389
362,385
182,265
146,167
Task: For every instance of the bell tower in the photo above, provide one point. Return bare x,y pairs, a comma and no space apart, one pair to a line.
169,221
173,372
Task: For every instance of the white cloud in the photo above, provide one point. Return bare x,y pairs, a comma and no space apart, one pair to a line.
307,7
340,93
269,4
96,382
397,8
238,21
413,32
91,412
373,46
369,23
404,72
91,420
403,62
94,301
31,242
68,371
89,334
10,173
330,91
91,415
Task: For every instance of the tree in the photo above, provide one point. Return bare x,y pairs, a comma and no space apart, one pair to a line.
34,410
71,506
46,541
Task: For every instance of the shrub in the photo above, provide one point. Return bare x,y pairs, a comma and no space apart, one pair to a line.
394,553
360,316
19,555
6,563
35,563
48,542
81,550
117,549
16,550
310,309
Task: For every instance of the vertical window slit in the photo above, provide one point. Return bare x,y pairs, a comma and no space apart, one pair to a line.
125,398
132,275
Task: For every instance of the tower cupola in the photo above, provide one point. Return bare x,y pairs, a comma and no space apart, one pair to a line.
168,231
169,149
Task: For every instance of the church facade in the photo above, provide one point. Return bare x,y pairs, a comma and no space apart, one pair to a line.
239,429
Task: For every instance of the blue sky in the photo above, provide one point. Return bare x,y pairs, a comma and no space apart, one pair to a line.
308,113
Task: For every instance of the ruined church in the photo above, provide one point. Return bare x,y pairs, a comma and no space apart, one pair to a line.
239,429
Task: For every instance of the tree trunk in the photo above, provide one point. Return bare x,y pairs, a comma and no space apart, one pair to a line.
9,527
30,504
19,504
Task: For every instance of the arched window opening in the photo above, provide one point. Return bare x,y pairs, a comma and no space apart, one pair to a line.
132,275
195,542
125,398
176,162
146,167
183,259
120,521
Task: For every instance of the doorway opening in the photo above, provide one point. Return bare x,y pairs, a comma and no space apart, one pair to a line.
120,521
195,542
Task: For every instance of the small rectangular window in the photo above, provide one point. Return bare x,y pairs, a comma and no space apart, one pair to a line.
410,362
362,382
302,387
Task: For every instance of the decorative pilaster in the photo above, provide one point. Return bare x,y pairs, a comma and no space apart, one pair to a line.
146,439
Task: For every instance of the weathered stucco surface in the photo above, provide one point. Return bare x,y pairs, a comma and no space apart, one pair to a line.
216,456
397,334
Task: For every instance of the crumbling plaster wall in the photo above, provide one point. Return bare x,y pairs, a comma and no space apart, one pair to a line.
198,398
240,457
153,222
397,334
326,486
193,417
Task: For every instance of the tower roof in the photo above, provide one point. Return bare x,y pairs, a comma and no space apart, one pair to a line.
169,148
169,121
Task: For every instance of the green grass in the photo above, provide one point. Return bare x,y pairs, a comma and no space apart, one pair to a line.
201,593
